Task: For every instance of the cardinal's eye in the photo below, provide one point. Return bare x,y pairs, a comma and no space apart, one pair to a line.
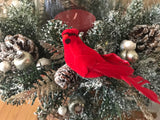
67,41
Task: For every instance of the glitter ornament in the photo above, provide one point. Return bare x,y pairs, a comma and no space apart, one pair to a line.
127,45
5,66
76,104
44,63
62,110
23,60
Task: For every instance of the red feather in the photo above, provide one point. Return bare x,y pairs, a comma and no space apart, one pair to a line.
89,64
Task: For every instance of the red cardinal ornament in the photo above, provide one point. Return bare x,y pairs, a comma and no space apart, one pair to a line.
89,64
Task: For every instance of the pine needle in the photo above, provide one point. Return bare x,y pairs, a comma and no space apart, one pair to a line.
22,97
43,88
143,108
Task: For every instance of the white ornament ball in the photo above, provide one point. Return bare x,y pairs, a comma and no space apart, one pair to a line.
44,62
62,110
23,61
5,66
127,45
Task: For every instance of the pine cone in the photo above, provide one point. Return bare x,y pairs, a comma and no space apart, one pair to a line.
6,54
19,42
146,37
64,76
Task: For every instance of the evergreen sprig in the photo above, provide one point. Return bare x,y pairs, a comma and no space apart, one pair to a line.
155,14
21,19
15,82
117,24
51,32
43,88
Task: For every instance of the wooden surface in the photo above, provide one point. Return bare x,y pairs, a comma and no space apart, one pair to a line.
23,112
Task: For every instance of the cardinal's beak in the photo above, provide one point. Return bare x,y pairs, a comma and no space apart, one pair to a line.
65,36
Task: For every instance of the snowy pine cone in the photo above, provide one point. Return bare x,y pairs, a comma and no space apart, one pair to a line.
20,42
64,76
146,37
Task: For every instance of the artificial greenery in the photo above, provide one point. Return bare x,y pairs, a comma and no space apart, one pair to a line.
17,81
116,26
51,32
106,98
155,14
21,19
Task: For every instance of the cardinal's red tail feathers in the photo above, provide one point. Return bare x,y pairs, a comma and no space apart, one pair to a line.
125,73
138,83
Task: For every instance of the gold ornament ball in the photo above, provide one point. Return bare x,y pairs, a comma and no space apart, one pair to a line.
23,61
127,45
132,56
123,54
5,66
62,110
76,104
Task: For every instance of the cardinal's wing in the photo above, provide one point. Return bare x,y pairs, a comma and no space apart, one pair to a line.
83,65
113,70
115,59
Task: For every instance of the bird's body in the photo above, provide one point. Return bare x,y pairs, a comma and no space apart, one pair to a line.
90,64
